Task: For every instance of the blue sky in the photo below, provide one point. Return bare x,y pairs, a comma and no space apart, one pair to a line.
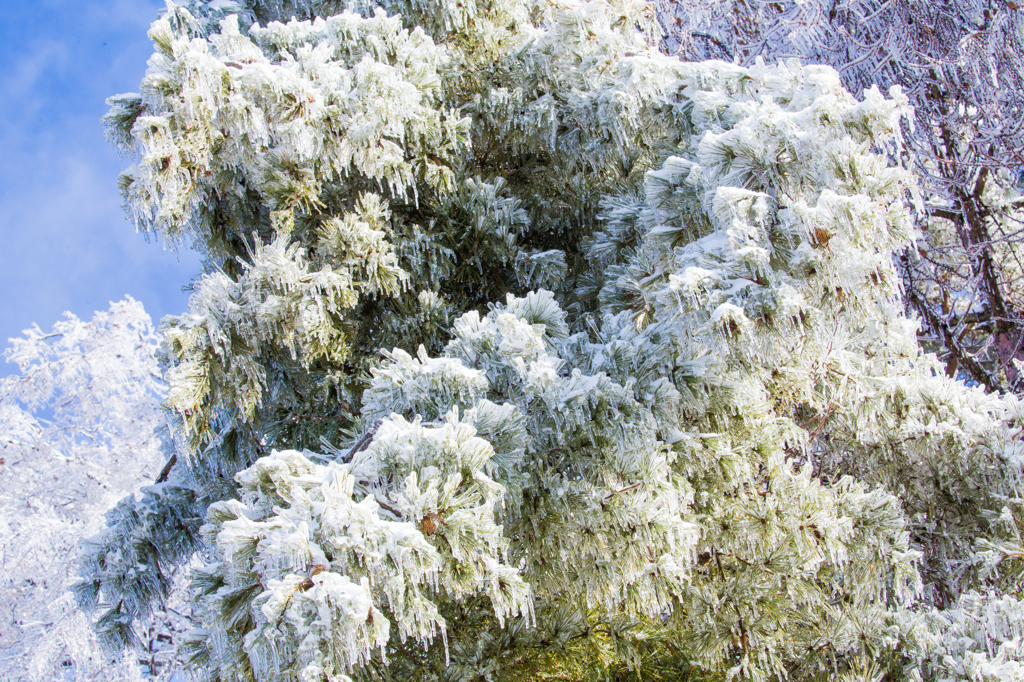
66,243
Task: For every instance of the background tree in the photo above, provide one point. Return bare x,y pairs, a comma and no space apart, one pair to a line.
958,63
79,428
711,447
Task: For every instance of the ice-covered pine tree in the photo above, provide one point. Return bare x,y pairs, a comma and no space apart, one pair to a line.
79,422
648,408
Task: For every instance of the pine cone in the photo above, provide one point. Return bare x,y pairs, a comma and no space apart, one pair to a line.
430,523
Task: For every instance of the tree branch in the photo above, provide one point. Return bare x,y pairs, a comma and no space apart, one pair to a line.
166,471
362,443
951,342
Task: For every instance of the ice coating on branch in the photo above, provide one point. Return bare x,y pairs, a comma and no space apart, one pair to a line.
330,558
287,297
428,386
627,465
978,638
280,110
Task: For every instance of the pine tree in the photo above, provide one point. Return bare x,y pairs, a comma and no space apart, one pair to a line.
648,407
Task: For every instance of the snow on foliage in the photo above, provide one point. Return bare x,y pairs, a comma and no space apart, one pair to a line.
708,446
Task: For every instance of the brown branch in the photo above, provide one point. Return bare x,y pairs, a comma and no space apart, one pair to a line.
951,342
312,417
714,41
397,514
166,471
624,490
363,442
945,214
